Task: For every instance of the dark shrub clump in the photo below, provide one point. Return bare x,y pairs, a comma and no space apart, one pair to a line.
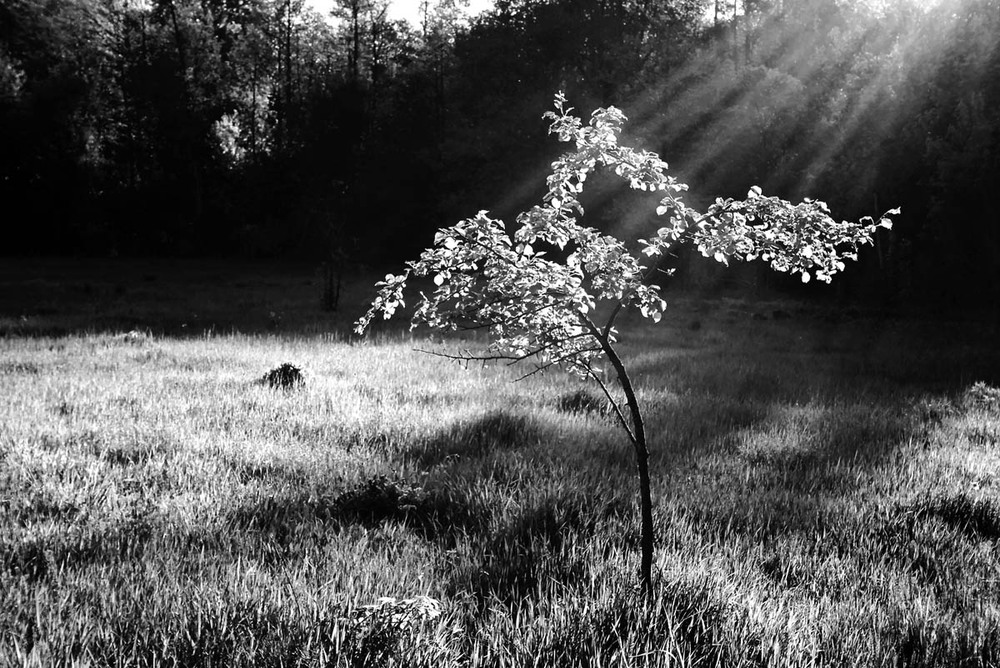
285,377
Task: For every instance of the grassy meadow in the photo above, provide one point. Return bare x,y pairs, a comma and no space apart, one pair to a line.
825,487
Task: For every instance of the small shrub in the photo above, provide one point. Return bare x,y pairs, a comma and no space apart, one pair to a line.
933,411
379,499
285,377
135,337
383,632
981,395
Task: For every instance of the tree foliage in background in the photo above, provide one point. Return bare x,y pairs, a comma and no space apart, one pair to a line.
559,308
258,127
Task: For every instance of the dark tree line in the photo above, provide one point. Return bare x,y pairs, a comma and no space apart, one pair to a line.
257,127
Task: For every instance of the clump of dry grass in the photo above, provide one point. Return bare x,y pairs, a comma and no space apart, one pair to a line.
285,377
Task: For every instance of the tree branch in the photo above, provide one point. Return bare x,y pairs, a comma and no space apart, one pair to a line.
647,275
511,360
500,321
468,357
557,361
614,404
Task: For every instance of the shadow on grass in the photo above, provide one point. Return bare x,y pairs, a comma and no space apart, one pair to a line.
495,432
682,620
841,445
777,449
781,477
528,551
871,387
437,514
922,537
515,543
976,518
36,558
698,424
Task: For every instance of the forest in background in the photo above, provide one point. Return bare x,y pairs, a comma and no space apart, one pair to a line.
259,128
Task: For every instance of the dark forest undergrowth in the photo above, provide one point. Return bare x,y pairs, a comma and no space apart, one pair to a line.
825,487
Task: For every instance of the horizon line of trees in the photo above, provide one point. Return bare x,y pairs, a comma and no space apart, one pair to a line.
260,128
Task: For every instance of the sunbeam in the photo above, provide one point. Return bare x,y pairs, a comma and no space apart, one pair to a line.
790,64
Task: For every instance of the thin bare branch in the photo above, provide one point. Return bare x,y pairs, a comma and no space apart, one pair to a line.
510,360
652,269
557,361
614,404
467,357
503,321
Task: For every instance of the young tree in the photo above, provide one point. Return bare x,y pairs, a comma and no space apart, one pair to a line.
562,312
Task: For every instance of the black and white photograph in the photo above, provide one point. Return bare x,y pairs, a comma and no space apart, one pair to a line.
500,333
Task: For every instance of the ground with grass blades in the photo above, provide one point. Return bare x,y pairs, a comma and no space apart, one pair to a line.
825,490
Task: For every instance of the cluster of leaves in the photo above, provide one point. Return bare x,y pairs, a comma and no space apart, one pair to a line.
399,613
541,308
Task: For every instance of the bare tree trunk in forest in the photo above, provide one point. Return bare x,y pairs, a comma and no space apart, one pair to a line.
253,110
355,64
736,42
188,158
747,42
333,272
288,55
376,64
439,90
178,41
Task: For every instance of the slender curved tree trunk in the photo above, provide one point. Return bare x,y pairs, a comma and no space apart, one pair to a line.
638,437
646,510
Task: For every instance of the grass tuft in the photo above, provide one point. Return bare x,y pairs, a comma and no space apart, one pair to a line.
13,368
285,377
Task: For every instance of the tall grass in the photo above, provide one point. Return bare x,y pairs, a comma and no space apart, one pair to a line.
825,495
